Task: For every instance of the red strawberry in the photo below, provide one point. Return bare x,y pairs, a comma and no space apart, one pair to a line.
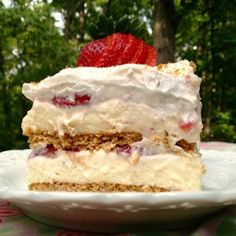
92,52
117,49
130,50
64,101
82,99
48,151
186,126
152,56
123,149
141,54
115,46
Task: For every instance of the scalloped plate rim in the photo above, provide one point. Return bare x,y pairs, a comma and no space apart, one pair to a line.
210,198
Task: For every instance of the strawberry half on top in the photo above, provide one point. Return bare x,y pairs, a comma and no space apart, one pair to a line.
117,49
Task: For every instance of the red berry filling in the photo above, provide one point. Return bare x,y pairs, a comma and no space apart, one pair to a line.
48,151
64,101
186,126
123,149
127,150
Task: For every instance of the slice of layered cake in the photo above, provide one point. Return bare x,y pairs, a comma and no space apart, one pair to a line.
129,127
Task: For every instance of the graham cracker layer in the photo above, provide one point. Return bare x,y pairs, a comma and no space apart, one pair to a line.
90,142
188,147
106,141
94,187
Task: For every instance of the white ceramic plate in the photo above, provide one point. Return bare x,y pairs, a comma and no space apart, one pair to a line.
120,211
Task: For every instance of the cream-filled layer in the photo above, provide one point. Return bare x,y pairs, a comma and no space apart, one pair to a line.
129,97
169,170
111,116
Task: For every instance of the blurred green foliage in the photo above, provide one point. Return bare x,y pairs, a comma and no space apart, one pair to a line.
222,128
207,36
33,47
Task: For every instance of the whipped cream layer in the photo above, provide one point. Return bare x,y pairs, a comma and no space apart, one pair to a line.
169,170
130,97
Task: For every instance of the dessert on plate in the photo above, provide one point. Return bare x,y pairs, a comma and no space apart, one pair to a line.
115,123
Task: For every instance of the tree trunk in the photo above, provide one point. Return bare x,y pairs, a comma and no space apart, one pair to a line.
70,8
6,126
212,75
68,20
107,8
164,30
82,20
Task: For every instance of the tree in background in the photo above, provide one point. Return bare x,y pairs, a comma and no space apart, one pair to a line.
206,35
165,26
32,47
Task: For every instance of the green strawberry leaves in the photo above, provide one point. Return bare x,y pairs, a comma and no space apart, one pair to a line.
105,26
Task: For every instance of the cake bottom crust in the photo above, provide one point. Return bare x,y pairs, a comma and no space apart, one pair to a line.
94,187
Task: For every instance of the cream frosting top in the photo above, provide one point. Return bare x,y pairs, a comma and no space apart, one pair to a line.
118,80
126,97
